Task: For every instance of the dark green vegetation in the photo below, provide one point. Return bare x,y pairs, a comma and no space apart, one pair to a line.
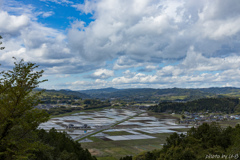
147,94
221,91
100,98
170,94
118,133
79,105
95,92
60,146
140,94
62,101
62,96
227,105
93,104
62,110
19,136
208,140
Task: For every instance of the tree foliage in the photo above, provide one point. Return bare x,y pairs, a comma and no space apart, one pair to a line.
126,158
228,105
19,120
62,147
197,144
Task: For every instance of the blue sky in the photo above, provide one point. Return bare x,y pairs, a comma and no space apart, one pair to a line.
89,44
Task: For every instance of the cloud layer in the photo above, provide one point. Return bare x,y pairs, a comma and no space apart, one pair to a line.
148,43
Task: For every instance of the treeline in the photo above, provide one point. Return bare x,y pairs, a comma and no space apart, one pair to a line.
86,104
60,99
227,105
62,110
208,141
95,103
76,94
148,94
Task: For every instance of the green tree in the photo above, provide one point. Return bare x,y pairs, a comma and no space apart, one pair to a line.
62,147
18,117
126,158
1,48
145,156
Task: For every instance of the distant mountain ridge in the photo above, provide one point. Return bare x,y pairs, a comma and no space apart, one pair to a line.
220,90
99,91
163,94
65,92
151,94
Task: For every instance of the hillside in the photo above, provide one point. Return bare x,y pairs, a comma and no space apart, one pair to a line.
227,105
74,94
147,94
222,90
98,92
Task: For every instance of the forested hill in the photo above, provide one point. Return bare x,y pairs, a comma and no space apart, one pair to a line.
228,105
73,94
149,94
139,94
99,91
221,90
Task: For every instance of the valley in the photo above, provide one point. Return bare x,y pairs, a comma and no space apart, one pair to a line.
135,129
112,127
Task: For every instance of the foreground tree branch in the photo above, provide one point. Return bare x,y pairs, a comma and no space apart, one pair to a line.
18,117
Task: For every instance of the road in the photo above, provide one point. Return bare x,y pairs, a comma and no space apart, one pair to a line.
104,128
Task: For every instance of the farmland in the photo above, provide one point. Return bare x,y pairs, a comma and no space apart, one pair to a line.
117,132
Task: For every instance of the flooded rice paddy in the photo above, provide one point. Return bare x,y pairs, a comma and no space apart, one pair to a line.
136,123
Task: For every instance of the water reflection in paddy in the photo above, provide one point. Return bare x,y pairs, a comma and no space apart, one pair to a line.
106,117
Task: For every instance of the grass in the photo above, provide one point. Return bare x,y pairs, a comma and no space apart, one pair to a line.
181,129
95,139
178,116
89,118
106,158
172,98
119,149
118,133
231,123
144,104
235,95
